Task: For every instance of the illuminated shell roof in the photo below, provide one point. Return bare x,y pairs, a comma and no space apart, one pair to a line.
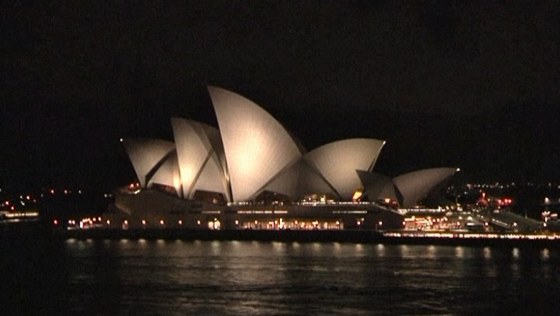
377,186
168,174
415,185
338,161
311,181
147,155
252,153
199,164
256,146
285,182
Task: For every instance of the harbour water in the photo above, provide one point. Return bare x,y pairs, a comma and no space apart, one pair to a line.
174,277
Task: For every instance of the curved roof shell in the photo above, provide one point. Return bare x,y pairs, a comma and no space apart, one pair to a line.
256,146
252,153
168,173
286,181
311,181
415,185
199,162
147,155
338,161
377,186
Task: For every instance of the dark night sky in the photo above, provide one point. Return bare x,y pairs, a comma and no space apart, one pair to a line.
472,84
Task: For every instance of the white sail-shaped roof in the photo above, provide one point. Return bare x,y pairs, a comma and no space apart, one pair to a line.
415,185
377,186
338,161
168,174
199,162
214,175
252,153
299,180
286,182
310,181
256,146
146,156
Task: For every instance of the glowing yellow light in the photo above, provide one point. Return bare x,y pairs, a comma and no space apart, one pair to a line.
357,195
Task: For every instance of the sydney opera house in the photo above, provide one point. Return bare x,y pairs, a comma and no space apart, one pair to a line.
251,173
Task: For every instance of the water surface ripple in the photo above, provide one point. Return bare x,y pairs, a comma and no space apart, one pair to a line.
138,277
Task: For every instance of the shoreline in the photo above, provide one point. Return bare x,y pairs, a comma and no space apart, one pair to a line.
354,236
344,236
35,230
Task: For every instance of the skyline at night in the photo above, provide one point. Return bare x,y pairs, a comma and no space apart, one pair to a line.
468,85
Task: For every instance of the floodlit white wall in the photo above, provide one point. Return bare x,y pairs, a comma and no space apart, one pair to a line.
145,155
415,185
256,146
338,161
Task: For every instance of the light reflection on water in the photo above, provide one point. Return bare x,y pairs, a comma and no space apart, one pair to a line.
231,278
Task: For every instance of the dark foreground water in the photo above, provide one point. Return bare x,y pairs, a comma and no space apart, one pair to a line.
138,277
